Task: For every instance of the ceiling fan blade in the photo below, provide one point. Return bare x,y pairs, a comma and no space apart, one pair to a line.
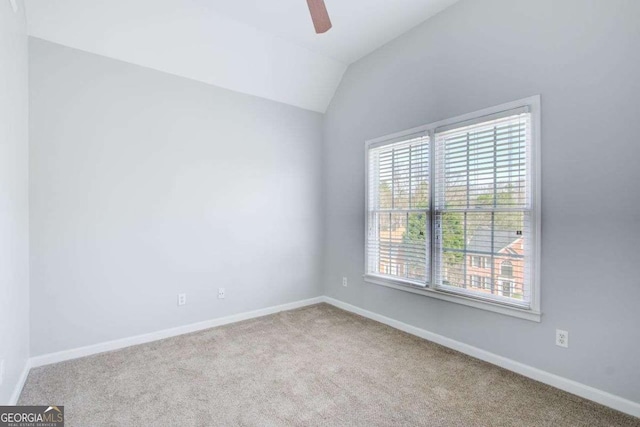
319,15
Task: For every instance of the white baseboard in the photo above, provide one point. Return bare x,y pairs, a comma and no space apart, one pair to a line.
76,353
20,384
573,387
587,392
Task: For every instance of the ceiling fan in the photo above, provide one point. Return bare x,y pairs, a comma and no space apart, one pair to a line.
319,16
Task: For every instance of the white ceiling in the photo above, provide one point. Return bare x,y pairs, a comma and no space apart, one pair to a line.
265,48
359,26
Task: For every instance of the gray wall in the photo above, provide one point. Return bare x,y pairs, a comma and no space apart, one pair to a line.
14,197
582,57
144,185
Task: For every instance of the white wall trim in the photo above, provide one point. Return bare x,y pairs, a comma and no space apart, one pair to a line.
604,398
20,384
570,386
75,353
534,316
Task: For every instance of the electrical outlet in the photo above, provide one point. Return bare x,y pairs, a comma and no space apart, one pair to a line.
1,371
182,299
562,338
344,282
220,293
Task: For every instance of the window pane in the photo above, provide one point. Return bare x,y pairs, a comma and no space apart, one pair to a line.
483,208
485,165
497,237
399,175
399,227
401,246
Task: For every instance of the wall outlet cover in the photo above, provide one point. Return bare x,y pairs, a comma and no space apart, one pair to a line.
182,299
562,338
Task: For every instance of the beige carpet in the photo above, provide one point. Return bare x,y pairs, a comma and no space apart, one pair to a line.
314,366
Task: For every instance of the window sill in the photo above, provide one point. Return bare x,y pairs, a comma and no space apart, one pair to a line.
507,310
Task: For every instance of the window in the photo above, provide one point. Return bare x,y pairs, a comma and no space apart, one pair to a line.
475,281
456,195
480,261
399,210
506,269
507,288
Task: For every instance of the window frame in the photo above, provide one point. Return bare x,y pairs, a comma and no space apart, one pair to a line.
532,313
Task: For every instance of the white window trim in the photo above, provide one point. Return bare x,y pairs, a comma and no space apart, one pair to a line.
534,313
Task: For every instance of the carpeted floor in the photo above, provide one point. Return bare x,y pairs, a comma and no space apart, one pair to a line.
317,365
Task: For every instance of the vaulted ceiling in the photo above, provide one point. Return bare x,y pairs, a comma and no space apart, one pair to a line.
266,48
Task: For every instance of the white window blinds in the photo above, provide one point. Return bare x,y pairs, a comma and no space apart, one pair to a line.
398,218
483,207
452,208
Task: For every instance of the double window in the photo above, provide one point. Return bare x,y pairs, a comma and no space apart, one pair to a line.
452,209
479,261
